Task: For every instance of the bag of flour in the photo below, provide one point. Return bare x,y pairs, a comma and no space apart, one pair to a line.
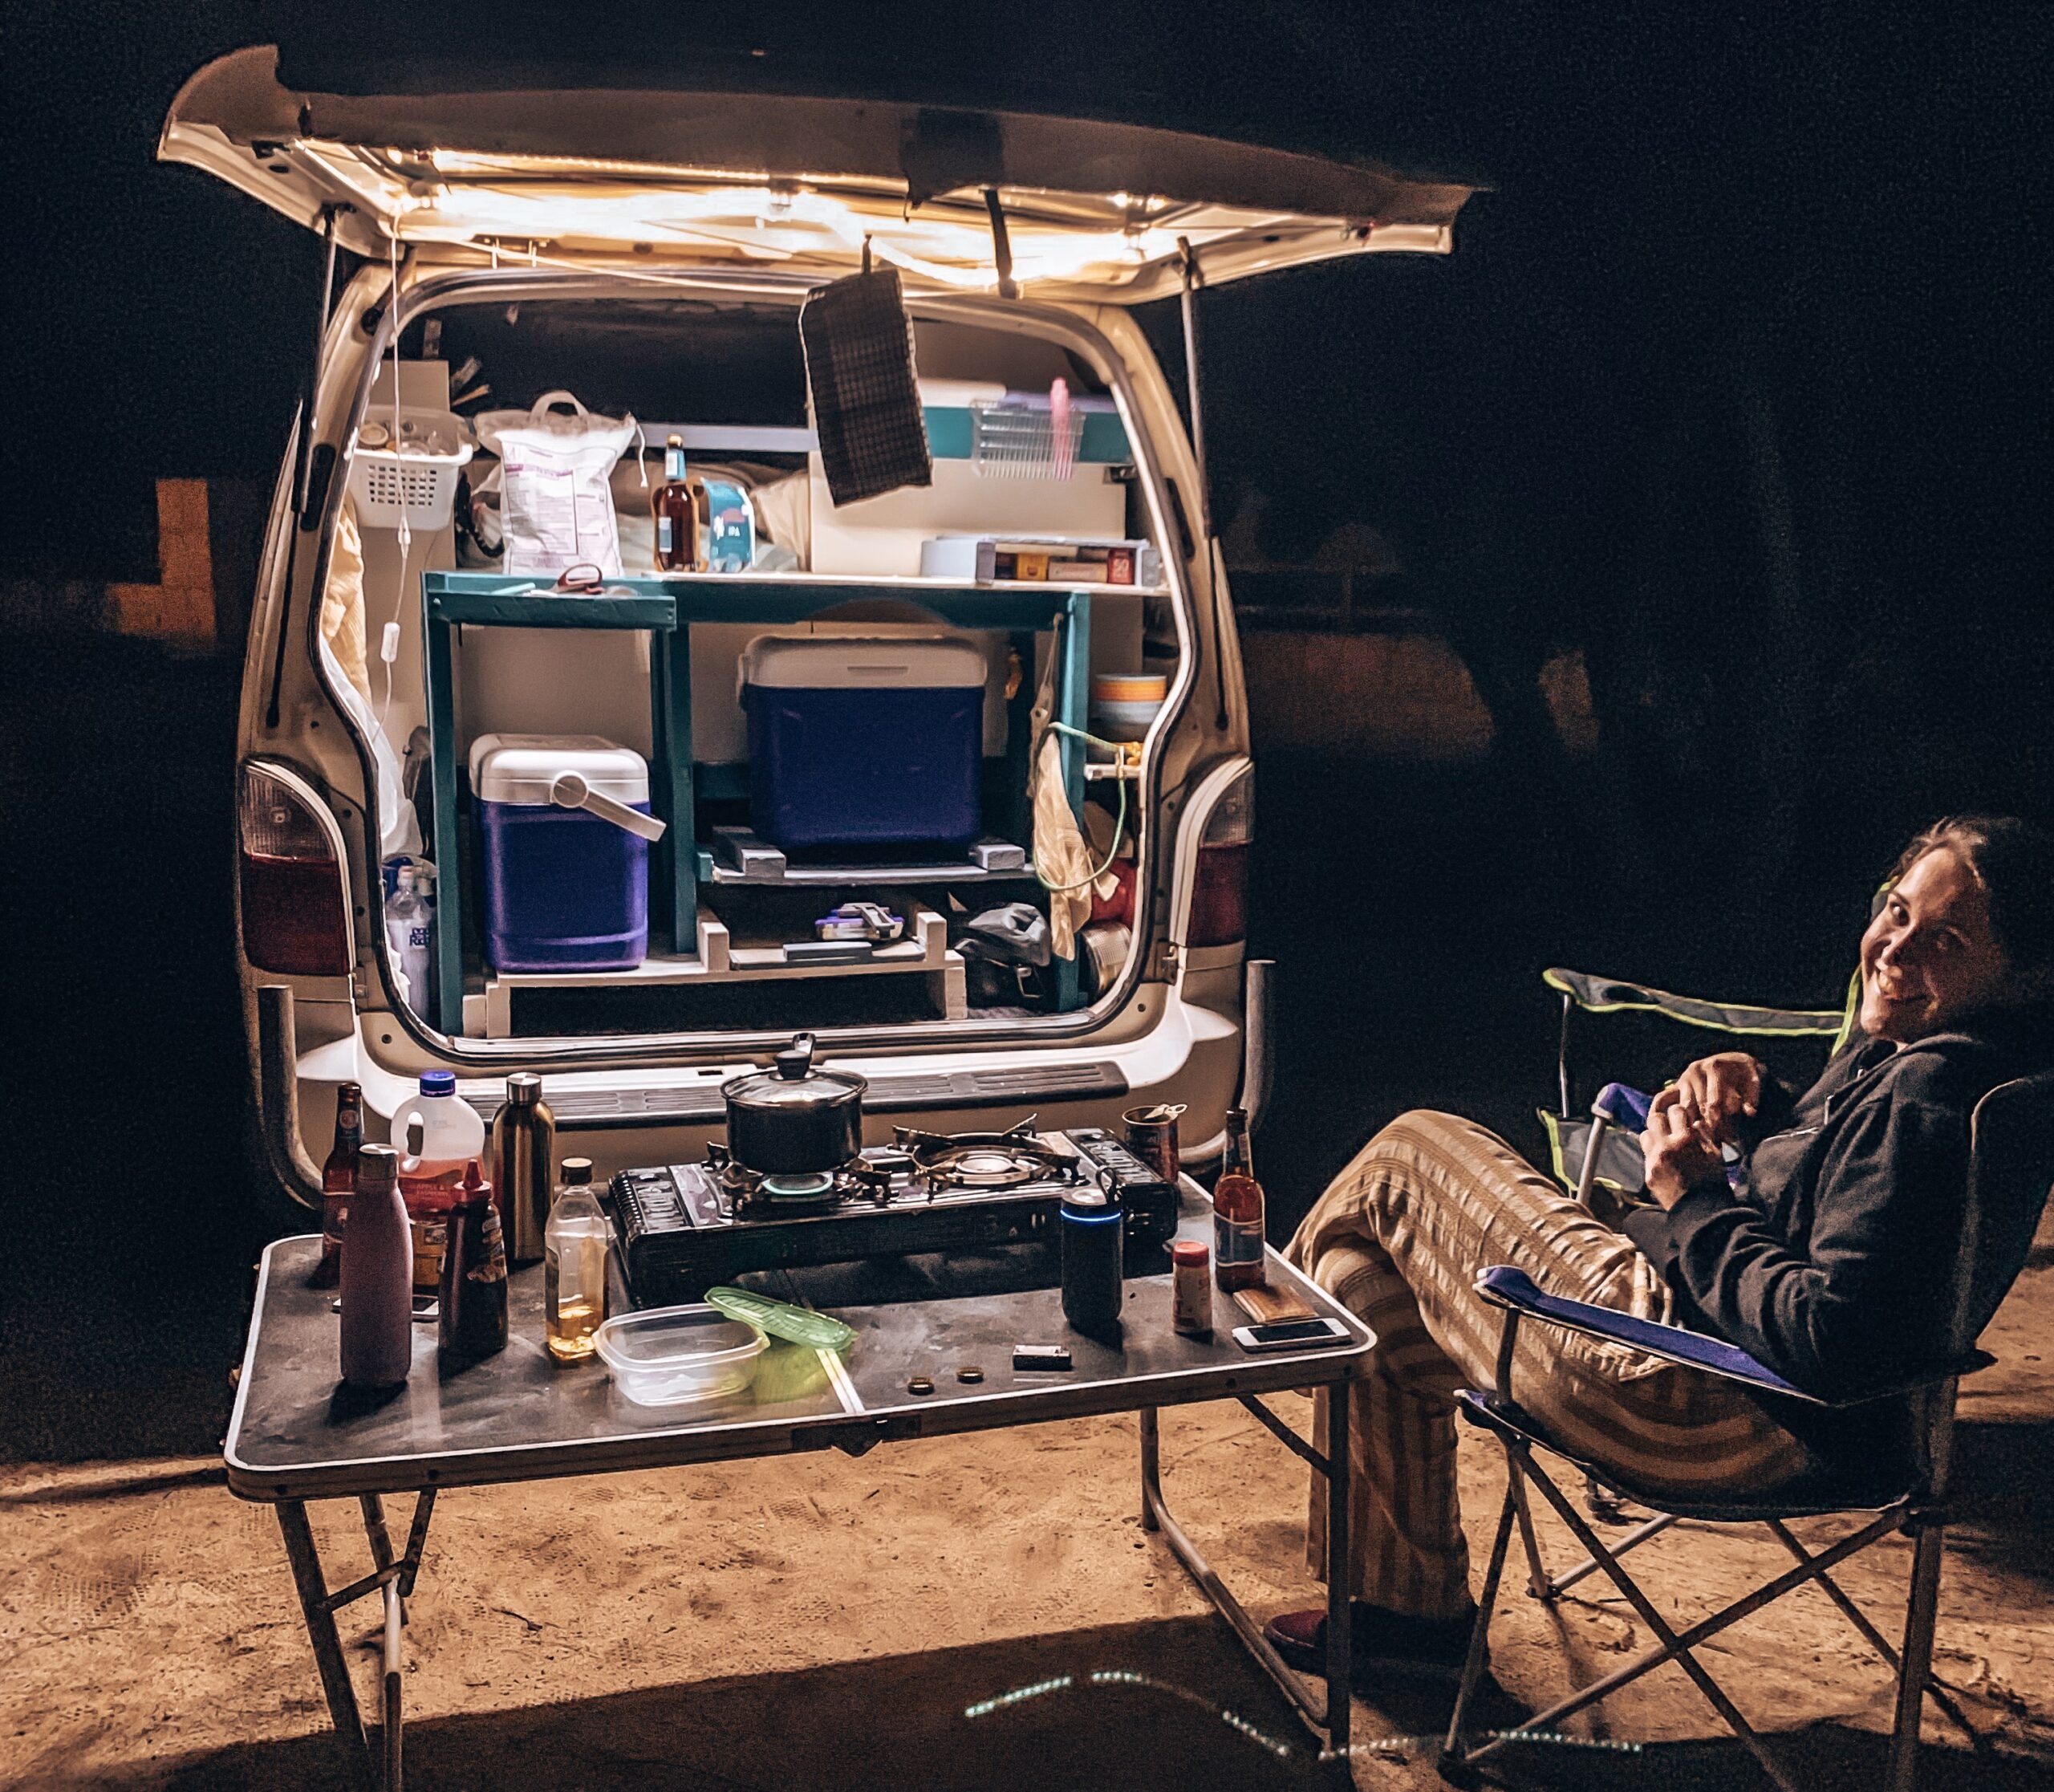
555,507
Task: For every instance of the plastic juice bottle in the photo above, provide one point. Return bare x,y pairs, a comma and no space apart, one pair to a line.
1237,1212
436,1136
575,1259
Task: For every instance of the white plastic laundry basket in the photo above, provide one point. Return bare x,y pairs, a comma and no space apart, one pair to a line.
412,480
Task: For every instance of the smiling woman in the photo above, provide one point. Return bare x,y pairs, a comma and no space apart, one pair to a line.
1966,927
1827,1253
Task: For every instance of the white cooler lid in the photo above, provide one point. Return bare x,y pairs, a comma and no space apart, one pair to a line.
860,662
520,768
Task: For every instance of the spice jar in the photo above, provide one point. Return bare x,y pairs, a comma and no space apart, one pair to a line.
1191,1289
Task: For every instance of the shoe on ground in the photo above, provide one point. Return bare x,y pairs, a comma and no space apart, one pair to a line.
1382,1640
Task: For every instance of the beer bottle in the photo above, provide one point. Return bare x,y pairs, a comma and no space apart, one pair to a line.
337,1184
1237,1212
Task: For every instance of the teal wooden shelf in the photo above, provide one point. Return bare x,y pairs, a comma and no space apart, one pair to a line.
663,606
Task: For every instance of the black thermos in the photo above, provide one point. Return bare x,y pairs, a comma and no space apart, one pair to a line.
1093,1228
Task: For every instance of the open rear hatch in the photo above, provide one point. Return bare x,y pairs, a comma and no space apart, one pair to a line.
1091,210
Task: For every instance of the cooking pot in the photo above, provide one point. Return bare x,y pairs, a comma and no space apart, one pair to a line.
792,1120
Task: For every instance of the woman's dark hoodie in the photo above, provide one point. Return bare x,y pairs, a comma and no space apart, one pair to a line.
1833,1261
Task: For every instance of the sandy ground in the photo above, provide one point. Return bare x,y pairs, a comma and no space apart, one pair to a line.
831,1623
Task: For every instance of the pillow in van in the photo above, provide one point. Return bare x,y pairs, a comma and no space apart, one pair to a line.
555,502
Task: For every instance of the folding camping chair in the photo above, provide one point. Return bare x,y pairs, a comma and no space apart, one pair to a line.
2010,1167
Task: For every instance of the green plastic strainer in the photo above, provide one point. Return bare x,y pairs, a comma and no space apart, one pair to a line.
781,1319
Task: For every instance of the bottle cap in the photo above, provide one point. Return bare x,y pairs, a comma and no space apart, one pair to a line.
1189,1250
577,1169
438,1082
524,1088
673,441
376,1167
474,1187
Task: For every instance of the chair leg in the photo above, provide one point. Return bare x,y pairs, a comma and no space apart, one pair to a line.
1538,1586
1454,1754
1916,1666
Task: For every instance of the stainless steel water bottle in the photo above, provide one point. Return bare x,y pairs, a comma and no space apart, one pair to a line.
524,1167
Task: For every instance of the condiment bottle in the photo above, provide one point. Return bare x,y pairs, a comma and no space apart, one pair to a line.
473,1322
437,1134
1191,1289
574,1286
337,1184
377,1277
523,1164
1237,1212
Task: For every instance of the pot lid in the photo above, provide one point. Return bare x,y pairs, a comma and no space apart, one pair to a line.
792,1083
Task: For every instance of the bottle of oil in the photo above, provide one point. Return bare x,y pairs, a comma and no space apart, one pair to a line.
337,1184
1237,1212
575,1259
674,506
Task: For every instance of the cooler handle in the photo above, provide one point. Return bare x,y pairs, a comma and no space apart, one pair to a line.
569,791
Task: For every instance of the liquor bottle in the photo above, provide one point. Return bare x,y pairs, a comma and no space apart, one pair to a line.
524,1167
675,507
1237,1212
337,1184
378,1273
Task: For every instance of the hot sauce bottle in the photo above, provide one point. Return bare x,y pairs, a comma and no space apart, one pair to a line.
1237,1212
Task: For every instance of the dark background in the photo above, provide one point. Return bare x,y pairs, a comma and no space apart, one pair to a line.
1736,383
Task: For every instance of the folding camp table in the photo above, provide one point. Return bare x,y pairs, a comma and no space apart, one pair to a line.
296,1435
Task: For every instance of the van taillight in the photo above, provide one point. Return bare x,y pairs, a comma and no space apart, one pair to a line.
1219,892
295,905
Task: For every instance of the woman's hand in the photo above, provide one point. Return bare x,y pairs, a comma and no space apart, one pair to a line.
1675,1150
1719,1091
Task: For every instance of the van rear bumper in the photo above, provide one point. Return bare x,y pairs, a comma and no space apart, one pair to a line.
1194,1054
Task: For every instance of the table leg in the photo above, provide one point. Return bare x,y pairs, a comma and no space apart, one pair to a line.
1340,1571
395,1726
373,1509
1151,1468
328,1647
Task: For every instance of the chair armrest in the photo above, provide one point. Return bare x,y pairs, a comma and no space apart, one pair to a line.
1515,1291
1600,995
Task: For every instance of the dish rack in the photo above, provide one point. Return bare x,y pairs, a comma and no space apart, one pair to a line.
1013,440
409,482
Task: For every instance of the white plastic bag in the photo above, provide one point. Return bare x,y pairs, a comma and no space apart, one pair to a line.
555,503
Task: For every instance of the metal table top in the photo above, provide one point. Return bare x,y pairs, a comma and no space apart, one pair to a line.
297,1433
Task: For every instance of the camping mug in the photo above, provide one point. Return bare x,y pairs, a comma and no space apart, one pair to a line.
1151,1135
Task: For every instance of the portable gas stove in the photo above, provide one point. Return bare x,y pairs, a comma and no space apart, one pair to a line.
684,1228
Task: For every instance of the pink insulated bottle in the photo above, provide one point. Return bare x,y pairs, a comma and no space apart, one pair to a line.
378,1276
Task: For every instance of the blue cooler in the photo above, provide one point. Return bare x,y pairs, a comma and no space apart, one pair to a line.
564,829
856,742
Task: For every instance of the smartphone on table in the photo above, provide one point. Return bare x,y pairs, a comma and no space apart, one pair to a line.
1291,1335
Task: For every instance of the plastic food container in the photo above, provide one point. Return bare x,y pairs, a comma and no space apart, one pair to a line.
679,1355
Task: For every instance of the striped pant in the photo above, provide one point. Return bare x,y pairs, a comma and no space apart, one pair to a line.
1398,1238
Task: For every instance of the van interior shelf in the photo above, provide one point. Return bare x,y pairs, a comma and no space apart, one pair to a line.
739,855
720,957
663,606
